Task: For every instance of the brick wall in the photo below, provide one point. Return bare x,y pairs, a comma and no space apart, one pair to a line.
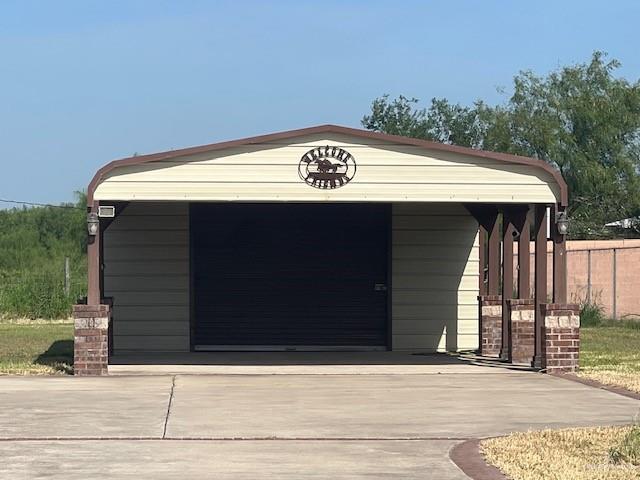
91,339
490,325
522,314
561,340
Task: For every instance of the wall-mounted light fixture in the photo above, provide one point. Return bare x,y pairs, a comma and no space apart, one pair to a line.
93,223
106,211
562,222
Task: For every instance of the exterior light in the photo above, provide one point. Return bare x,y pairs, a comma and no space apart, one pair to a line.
562,223
93,224
107,211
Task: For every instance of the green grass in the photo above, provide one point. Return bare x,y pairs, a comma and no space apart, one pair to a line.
610,354
628,450
36,348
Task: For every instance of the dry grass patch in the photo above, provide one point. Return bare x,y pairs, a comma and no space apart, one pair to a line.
617,377
600,453
611,355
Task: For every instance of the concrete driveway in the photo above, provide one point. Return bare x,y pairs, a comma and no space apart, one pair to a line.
278,426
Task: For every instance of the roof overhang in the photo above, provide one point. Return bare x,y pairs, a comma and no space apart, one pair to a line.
332,129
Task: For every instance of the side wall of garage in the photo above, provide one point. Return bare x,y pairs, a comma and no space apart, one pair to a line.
146,253
434,277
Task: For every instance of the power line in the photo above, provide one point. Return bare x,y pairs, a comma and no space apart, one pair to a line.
35,204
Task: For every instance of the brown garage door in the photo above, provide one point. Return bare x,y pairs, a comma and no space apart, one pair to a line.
279,276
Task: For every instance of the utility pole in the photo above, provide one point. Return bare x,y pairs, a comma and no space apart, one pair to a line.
67,277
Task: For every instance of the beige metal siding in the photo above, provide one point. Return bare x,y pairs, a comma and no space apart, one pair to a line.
434,278
385,172
146,252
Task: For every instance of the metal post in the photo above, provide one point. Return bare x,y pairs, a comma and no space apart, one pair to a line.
615,283
67,277
589,276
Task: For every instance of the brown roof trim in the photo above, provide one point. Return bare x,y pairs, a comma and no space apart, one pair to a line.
397,139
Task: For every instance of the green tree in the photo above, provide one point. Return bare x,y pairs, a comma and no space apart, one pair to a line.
580,118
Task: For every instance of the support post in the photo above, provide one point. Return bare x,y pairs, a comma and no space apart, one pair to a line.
93,264
482,260
522,316
493,260
524,252
487,217
559,262
540,274
93,320
508,231
560,333
489,299
91,339
490,316
561,338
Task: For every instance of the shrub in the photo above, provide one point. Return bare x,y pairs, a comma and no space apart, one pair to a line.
37,295
591,315
34,243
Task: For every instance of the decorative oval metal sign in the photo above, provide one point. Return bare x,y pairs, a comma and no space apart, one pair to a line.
327,167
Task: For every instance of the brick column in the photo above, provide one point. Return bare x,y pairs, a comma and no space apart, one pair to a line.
91,344
561,337
522,314
490,314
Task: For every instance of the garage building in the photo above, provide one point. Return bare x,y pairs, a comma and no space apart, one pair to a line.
322,239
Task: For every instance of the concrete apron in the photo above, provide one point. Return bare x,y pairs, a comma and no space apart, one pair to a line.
304,363
281,426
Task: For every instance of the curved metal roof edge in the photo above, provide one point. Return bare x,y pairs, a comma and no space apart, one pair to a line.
397,139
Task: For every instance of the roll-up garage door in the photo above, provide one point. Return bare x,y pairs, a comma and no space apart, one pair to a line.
289,276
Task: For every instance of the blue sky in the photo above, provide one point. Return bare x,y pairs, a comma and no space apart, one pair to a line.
83,82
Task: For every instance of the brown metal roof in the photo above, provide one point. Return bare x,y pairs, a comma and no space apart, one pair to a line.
396,139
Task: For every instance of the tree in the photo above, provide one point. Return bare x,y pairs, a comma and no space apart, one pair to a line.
580,118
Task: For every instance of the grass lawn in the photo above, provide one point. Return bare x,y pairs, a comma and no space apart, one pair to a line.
36,348
601,453
611,355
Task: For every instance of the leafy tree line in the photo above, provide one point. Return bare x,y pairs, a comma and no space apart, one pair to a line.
580,118
33,245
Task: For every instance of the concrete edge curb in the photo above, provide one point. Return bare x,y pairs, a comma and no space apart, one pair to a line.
229,439
467,457
592,383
